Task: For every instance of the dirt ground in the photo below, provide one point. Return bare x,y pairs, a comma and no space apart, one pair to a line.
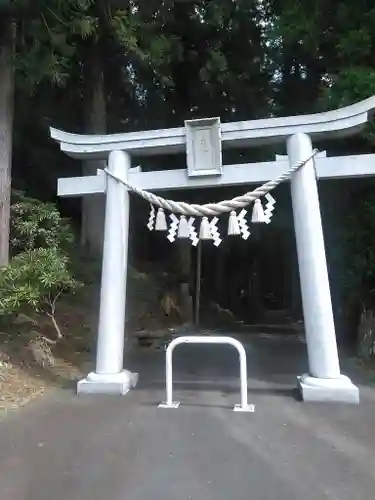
26,373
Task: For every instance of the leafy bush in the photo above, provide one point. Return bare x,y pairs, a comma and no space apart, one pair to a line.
35,279
37,224
39,272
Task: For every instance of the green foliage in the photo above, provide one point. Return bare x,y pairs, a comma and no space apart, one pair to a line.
35,279
40,271
48,40
36,224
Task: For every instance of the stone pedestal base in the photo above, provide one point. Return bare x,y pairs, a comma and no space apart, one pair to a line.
339,390
244,409
174,405
117,383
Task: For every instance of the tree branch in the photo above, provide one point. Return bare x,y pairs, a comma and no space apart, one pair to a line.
55,325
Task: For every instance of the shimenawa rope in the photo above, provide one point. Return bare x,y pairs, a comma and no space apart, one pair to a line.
212,209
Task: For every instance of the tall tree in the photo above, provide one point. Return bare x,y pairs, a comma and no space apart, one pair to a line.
6,126
94,122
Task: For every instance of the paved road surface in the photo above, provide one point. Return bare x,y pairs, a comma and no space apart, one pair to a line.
103,448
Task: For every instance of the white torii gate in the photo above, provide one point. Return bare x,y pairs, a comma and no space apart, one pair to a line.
202,141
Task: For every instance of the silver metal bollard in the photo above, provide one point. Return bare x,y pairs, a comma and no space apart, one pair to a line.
169,403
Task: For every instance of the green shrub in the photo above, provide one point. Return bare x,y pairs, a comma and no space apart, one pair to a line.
39,272
38,224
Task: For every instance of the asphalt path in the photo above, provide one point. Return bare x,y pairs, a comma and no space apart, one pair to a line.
64,447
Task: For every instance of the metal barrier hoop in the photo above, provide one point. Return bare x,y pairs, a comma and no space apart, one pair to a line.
169,403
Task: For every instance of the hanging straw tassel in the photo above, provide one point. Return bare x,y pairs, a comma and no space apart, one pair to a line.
183,228
258,213
233,225
205,230
161,221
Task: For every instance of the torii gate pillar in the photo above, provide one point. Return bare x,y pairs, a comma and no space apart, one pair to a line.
109,376
324,381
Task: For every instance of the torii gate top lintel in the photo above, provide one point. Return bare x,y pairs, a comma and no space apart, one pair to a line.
336,123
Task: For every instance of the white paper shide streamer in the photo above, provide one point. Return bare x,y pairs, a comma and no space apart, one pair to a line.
151,218
244,228
173,228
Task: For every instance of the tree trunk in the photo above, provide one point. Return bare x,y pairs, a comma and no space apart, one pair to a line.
93,206
6,129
